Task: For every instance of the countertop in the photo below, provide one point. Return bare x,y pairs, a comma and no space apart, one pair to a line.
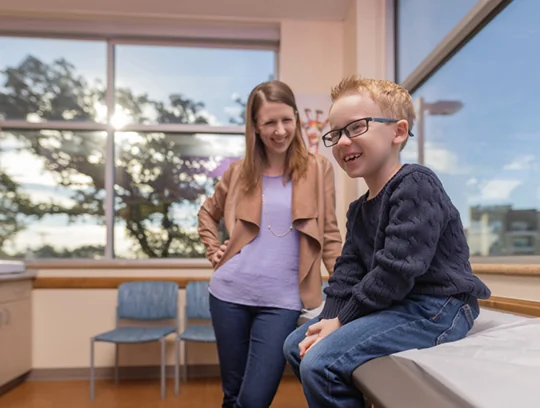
17,276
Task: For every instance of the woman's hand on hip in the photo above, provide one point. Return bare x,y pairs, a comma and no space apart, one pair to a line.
216,258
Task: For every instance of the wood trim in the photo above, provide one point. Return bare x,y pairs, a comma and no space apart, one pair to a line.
112,282
518,306
91,264
105,282
506,269
10,385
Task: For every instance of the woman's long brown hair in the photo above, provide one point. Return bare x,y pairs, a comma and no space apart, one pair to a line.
255,160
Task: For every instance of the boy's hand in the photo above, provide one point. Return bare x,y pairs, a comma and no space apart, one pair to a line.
306,344
316,332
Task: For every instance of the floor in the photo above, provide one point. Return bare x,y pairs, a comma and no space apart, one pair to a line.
142,393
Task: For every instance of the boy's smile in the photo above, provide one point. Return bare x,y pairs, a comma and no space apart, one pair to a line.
356,155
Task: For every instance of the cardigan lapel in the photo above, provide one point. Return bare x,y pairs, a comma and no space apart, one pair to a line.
248,206
305,192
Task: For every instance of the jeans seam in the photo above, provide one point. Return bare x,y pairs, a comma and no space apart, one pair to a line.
469,315
441,310
445,333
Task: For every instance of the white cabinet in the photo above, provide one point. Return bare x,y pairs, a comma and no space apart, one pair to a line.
15,329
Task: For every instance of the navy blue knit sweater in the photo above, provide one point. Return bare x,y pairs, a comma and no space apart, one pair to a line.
407,239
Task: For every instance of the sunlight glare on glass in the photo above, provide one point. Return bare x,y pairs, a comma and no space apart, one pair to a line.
120,118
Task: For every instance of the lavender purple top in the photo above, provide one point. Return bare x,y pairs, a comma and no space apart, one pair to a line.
265,272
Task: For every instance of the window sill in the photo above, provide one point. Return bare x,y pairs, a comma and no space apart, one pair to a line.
133,264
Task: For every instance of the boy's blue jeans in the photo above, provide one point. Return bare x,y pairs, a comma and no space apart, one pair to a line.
417,322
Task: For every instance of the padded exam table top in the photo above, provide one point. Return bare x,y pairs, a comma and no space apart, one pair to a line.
496,365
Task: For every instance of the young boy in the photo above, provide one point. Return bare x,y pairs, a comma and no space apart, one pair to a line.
403,280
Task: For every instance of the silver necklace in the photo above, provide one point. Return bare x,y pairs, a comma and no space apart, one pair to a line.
270,227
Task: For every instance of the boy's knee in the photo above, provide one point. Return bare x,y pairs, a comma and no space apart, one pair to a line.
290,347
311,367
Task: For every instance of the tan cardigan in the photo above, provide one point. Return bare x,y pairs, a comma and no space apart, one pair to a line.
313,214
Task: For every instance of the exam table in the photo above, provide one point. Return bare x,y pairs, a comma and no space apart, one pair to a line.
496,365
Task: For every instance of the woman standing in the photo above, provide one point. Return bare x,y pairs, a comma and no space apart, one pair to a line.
278,204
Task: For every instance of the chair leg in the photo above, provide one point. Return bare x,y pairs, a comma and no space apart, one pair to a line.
176,366
163,368
116,364
185,365
92,369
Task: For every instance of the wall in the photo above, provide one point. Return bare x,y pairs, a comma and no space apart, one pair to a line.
514,286
365,46
311,61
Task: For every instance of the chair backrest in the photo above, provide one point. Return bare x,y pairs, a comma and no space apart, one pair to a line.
197,302
148,300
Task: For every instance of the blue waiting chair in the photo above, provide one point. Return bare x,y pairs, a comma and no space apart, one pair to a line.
143,301
197,307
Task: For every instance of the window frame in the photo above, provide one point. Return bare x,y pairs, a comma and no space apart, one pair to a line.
230,36
479,16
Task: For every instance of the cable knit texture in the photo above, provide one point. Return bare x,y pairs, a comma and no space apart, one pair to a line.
407,239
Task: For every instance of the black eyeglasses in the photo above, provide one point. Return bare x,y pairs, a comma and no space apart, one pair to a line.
354,129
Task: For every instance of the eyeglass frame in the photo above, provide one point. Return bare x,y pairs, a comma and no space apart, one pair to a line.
367,120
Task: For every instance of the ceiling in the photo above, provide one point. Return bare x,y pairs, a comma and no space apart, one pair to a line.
253,10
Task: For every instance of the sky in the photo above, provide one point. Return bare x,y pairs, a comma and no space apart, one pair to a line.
485,154
213,76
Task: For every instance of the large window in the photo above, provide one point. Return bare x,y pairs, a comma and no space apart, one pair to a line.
481,132
422,24
78,182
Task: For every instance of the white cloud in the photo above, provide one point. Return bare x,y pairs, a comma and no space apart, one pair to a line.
437,158
442,160
215,144
62,236
233,110
25,169
498,189
526,162
211,119
49,196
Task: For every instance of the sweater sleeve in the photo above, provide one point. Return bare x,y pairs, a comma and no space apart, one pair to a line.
346,274
418,212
